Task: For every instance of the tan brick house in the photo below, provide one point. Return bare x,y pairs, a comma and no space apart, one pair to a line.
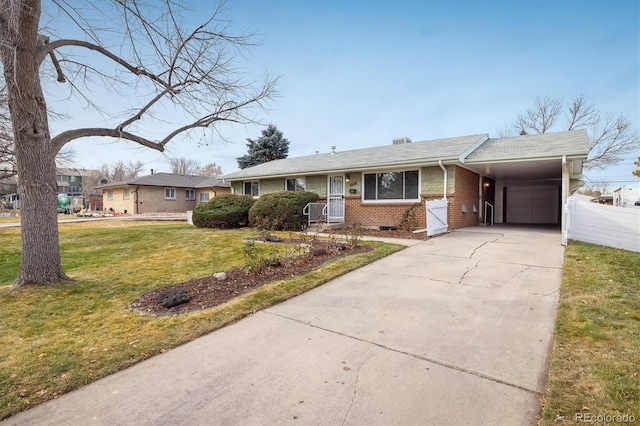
523,179
161,193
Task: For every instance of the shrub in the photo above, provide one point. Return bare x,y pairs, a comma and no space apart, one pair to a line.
282,209
223,211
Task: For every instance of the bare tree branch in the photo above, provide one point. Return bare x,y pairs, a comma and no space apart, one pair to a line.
70,135
611,138
139,71
541,117
581,113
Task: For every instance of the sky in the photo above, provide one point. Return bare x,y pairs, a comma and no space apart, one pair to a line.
356,74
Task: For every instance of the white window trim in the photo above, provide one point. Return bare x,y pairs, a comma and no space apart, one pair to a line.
169,198
193,194
109,194
126,193
200,196
397,200
303,178
244,182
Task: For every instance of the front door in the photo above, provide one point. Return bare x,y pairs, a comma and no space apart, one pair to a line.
335,198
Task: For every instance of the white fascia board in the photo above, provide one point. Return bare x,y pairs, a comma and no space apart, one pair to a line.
522,160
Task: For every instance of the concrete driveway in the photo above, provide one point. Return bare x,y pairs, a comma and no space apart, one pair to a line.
454,330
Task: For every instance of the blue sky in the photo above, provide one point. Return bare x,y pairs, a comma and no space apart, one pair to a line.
358,73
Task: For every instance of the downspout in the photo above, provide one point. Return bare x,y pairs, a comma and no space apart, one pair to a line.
444,169
565,205
136,192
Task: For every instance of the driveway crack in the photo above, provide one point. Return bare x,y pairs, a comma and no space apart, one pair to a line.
355,390
419,357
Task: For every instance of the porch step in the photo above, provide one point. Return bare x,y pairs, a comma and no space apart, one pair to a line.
317,227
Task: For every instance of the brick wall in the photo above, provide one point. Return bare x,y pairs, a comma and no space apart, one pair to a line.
466,194
118,203
376,214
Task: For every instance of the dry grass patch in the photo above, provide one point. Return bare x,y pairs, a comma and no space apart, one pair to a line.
55,339
595,362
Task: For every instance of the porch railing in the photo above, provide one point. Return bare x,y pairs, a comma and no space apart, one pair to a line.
315,212
486,206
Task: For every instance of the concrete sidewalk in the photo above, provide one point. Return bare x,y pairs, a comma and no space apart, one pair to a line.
453,330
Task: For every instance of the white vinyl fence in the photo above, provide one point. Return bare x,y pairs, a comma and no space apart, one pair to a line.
605,225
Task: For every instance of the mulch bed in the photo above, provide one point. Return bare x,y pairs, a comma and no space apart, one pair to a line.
207,292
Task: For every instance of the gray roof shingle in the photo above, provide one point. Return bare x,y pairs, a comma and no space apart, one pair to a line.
168,180
359,159
546,145
474,149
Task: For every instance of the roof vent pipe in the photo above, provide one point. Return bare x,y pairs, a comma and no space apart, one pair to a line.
444,169
333,149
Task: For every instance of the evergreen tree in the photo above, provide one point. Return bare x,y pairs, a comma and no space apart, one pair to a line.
636,172
268,147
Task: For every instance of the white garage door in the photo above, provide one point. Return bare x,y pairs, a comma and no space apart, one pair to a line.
533,204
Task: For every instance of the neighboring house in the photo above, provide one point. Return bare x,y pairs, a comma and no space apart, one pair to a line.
520,180
79,182
627,196
9,196
161,193
604,199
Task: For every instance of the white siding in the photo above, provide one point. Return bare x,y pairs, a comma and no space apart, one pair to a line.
605,225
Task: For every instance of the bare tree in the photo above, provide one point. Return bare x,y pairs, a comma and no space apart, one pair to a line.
184,166
141,51
120,171
7,159
64,158
211,170
611,137
541,117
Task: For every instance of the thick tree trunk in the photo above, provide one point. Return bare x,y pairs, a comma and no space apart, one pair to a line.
34,152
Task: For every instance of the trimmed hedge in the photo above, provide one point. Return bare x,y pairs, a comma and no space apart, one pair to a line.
282,210
223,211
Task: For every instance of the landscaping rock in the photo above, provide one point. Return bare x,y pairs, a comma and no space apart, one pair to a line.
319,251
172,298
220,276
273,239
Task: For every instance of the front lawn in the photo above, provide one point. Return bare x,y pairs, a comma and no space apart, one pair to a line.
55,339
595,362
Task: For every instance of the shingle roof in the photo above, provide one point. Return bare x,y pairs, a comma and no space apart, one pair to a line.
359,159
471,149
170,180
546,145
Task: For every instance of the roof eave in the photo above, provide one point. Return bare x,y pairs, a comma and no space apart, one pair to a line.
431,162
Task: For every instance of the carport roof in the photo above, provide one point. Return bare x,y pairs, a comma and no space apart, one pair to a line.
473,150
528,147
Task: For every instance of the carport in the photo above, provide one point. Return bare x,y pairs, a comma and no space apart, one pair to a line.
526,181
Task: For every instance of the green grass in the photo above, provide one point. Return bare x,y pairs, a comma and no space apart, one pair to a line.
58,338
595,362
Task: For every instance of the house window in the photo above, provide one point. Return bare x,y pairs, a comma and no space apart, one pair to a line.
190,194
296,184
204,197
125,193
169,193
109,194
392,186
252,188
